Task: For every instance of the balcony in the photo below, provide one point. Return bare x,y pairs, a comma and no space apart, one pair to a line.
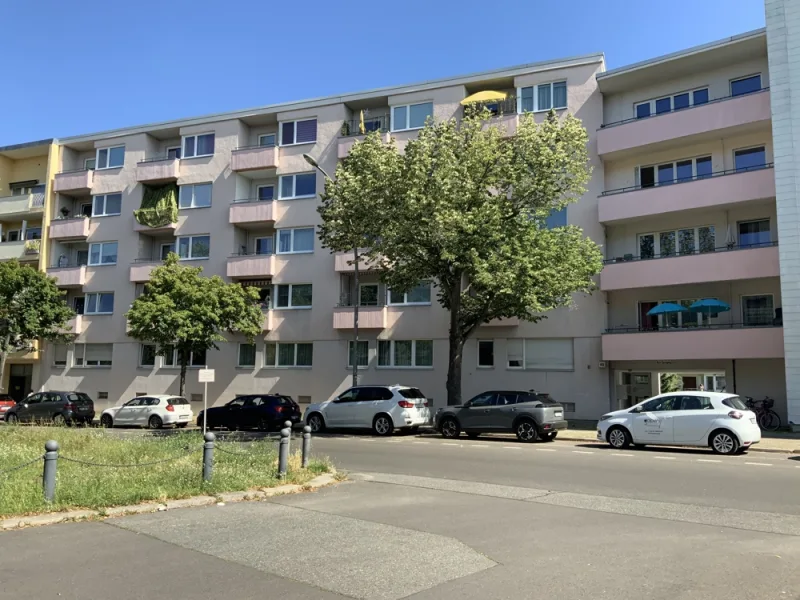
23,206
71,276
74,183
268,325
723,264
254,158
719,190
158,169
74,326
76,228
369,317
352,131
243,266
341,260
253,210
167,229
141,269
730,341
718,118
9,250
512,322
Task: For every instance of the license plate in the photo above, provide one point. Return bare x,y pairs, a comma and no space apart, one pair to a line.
558,414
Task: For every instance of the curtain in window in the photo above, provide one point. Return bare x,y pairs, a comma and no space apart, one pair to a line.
402,353
285,240
514,352
305,354
301,295
544,97
424,353
303,240
560,95
384,348
527,99
269,354
247,355
285,355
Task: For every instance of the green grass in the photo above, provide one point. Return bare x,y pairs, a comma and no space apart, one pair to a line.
254,466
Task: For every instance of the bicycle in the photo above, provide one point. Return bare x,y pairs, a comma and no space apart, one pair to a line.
767,419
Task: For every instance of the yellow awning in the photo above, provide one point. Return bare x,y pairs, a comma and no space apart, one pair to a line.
485,96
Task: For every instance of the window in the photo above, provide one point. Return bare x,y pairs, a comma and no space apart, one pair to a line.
99,303
174,152
754,233
103,253
93,355
147,355
681,242
247,355
110,158
298,132
302,185
33,233
486,353
265,245
694,403
267,140
659,106
746,85
665,403
196,359
288,355
418,295
486,399
540,354
569,407
405,353
749,159
293,241
194,196
193,247
735,402
59,355
198,145
757,310
294,295
265,193
411,116
86,209
556,218
106,205
368,294
363,353
166,250
543,97
672,172
89,164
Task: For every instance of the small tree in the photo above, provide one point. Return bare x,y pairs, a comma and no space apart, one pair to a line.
671,382
182,311
31,308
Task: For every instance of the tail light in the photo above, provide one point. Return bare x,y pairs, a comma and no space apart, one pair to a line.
425,403
735,414
405,404
170,408
280,409
69,406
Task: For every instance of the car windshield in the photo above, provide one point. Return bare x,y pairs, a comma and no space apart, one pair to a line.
177,401
78,397
411,393
735,402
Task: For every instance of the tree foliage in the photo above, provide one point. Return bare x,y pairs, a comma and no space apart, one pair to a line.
671,382
183,311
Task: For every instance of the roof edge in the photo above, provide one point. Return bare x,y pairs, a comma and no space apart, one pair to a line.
23,145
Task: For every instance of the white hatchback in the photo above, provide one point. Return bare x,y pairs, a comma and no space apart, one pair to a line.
382,408
149,411
720,421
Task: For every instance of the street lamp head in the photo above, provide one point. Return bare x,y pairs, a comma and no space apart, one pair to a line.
310,160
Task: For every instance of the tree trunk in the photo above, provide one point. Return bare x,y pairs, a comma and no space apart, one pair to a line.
456,350
184,358
3,356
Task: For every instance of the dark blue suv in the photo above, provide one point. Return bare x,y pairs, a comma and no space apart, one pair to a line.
266,412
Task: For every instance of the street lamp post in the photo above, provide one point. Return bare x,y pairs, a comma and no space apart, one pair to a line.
311,161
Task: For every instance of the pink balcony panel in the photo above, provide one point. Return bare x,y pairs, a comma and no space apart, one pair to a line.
168,228
74,182
251,212
343,258
700,344
752,263
156,171
261,265
700,120
69,229
69,276
253,159
140,272
369,317
714,192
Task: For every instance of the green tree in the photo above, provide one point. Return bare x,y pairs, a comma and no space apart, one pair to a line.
182,311
465,207
31,308
671,382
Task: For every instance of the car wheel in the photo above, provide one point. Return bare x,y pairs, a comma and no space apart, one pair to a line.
59,420
316,422
263,425
12,419
527,431
724,442
618,437
155,422
383,425
473,435
449,428
106,421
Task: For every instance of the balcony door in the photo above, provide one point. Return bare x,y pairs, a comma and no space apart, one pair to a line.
646,322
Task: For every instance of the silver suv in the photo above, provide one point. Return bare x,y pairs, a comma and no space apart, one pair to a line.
531,415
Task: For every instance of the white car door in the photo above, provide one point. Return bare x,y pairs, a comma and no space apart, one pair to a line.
148,407
340,411
127,413
653,422
693,422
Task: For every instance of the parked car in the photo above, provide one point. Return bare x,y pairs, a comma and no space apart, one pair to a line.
718,420
530,415
60,408
259,411
382,408
6,402
149,411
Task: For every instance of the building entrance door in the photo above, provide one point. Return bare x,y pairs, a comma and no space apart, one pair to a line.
20,380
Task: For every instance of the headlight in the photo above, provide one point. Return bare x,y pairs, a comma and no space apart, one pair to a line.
606,417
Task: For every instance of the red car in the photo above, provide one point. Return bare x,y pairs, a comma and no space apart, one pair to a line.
6,402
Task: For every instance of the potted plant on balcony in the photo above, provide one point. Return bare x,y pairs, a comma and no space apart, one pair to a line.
33,246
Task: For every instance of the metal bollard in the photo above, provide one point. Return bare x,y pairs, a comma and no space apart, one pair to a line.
208,456
283,452
306,445
288,425
49,475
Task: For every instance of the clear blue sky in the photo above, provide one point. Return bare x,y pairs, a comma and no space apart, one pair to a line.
78,67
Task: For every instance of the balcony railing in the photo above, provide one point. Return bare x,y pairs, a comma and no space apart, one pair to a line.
757,322
672,110
251,200
727,248
253,147
68,264
498,108
158,158
677,181
371,123
251,253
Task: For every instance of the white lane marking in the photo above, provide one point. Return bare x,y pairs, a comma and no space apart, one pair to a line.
664,457
620,454
478,445
581,452
708,460
758,464
512,447
544,450
420,442
450,444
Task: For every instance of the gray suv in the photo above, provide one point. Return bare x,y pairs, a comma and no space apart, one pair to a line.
531,415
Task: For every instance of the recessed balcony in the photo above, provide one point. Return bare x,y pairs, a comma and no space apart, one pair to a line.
245,266
71,276
249,159
252,211
169,228
9,250
158,169
74,183
141,269
23,206
369,317
76,228
343,260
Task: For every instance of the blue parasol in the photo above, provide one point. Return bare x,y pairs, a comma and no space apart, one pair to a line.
710,305
666,308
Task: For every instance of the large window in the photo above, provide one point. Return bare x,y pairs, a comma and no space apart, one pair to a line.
543,97
193,247
750,158
293,295
93,355
196,359
556,218
194,196
288,355
758,310
59,355
667,104
368,294
265,193
302,185
543,354
405,353
103,253
298,132
265,245
295,241
247,355
677,242
198,145
675,172
418,295
106,205
101,303
746,85
485,353
147,355
363,353
754,233
411,116
110,158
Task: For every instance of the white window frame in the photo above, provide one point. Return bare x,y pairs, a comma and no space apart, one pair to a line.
274,137
478,357
406,126
108,150
83,364
97,303
413,365
105,205
61,364
190,238
266,185
178,148
239,364
277,356
349,362
294,132
674,163
263,237
176,365
741,306
522,367
195,136
405,301
536,87
294,195
86,166
141,353
652,101
192,204
277,243
291,288
101,263
657,240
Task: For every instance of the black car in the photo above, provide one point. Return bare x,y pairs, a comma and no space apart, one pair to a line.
260,411
61,408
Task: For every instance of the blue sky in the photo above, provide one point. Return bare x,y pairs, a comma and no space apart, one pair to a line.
78,67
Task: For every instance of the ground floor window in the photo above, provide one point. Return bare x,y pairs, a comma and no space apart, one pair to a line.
405,353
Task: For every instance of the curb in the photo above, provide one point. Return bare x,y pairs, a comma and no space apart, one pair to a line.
320,481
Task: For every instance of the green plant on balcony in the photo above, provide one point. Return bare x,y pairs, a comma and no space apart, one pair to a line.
159,206
33,246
